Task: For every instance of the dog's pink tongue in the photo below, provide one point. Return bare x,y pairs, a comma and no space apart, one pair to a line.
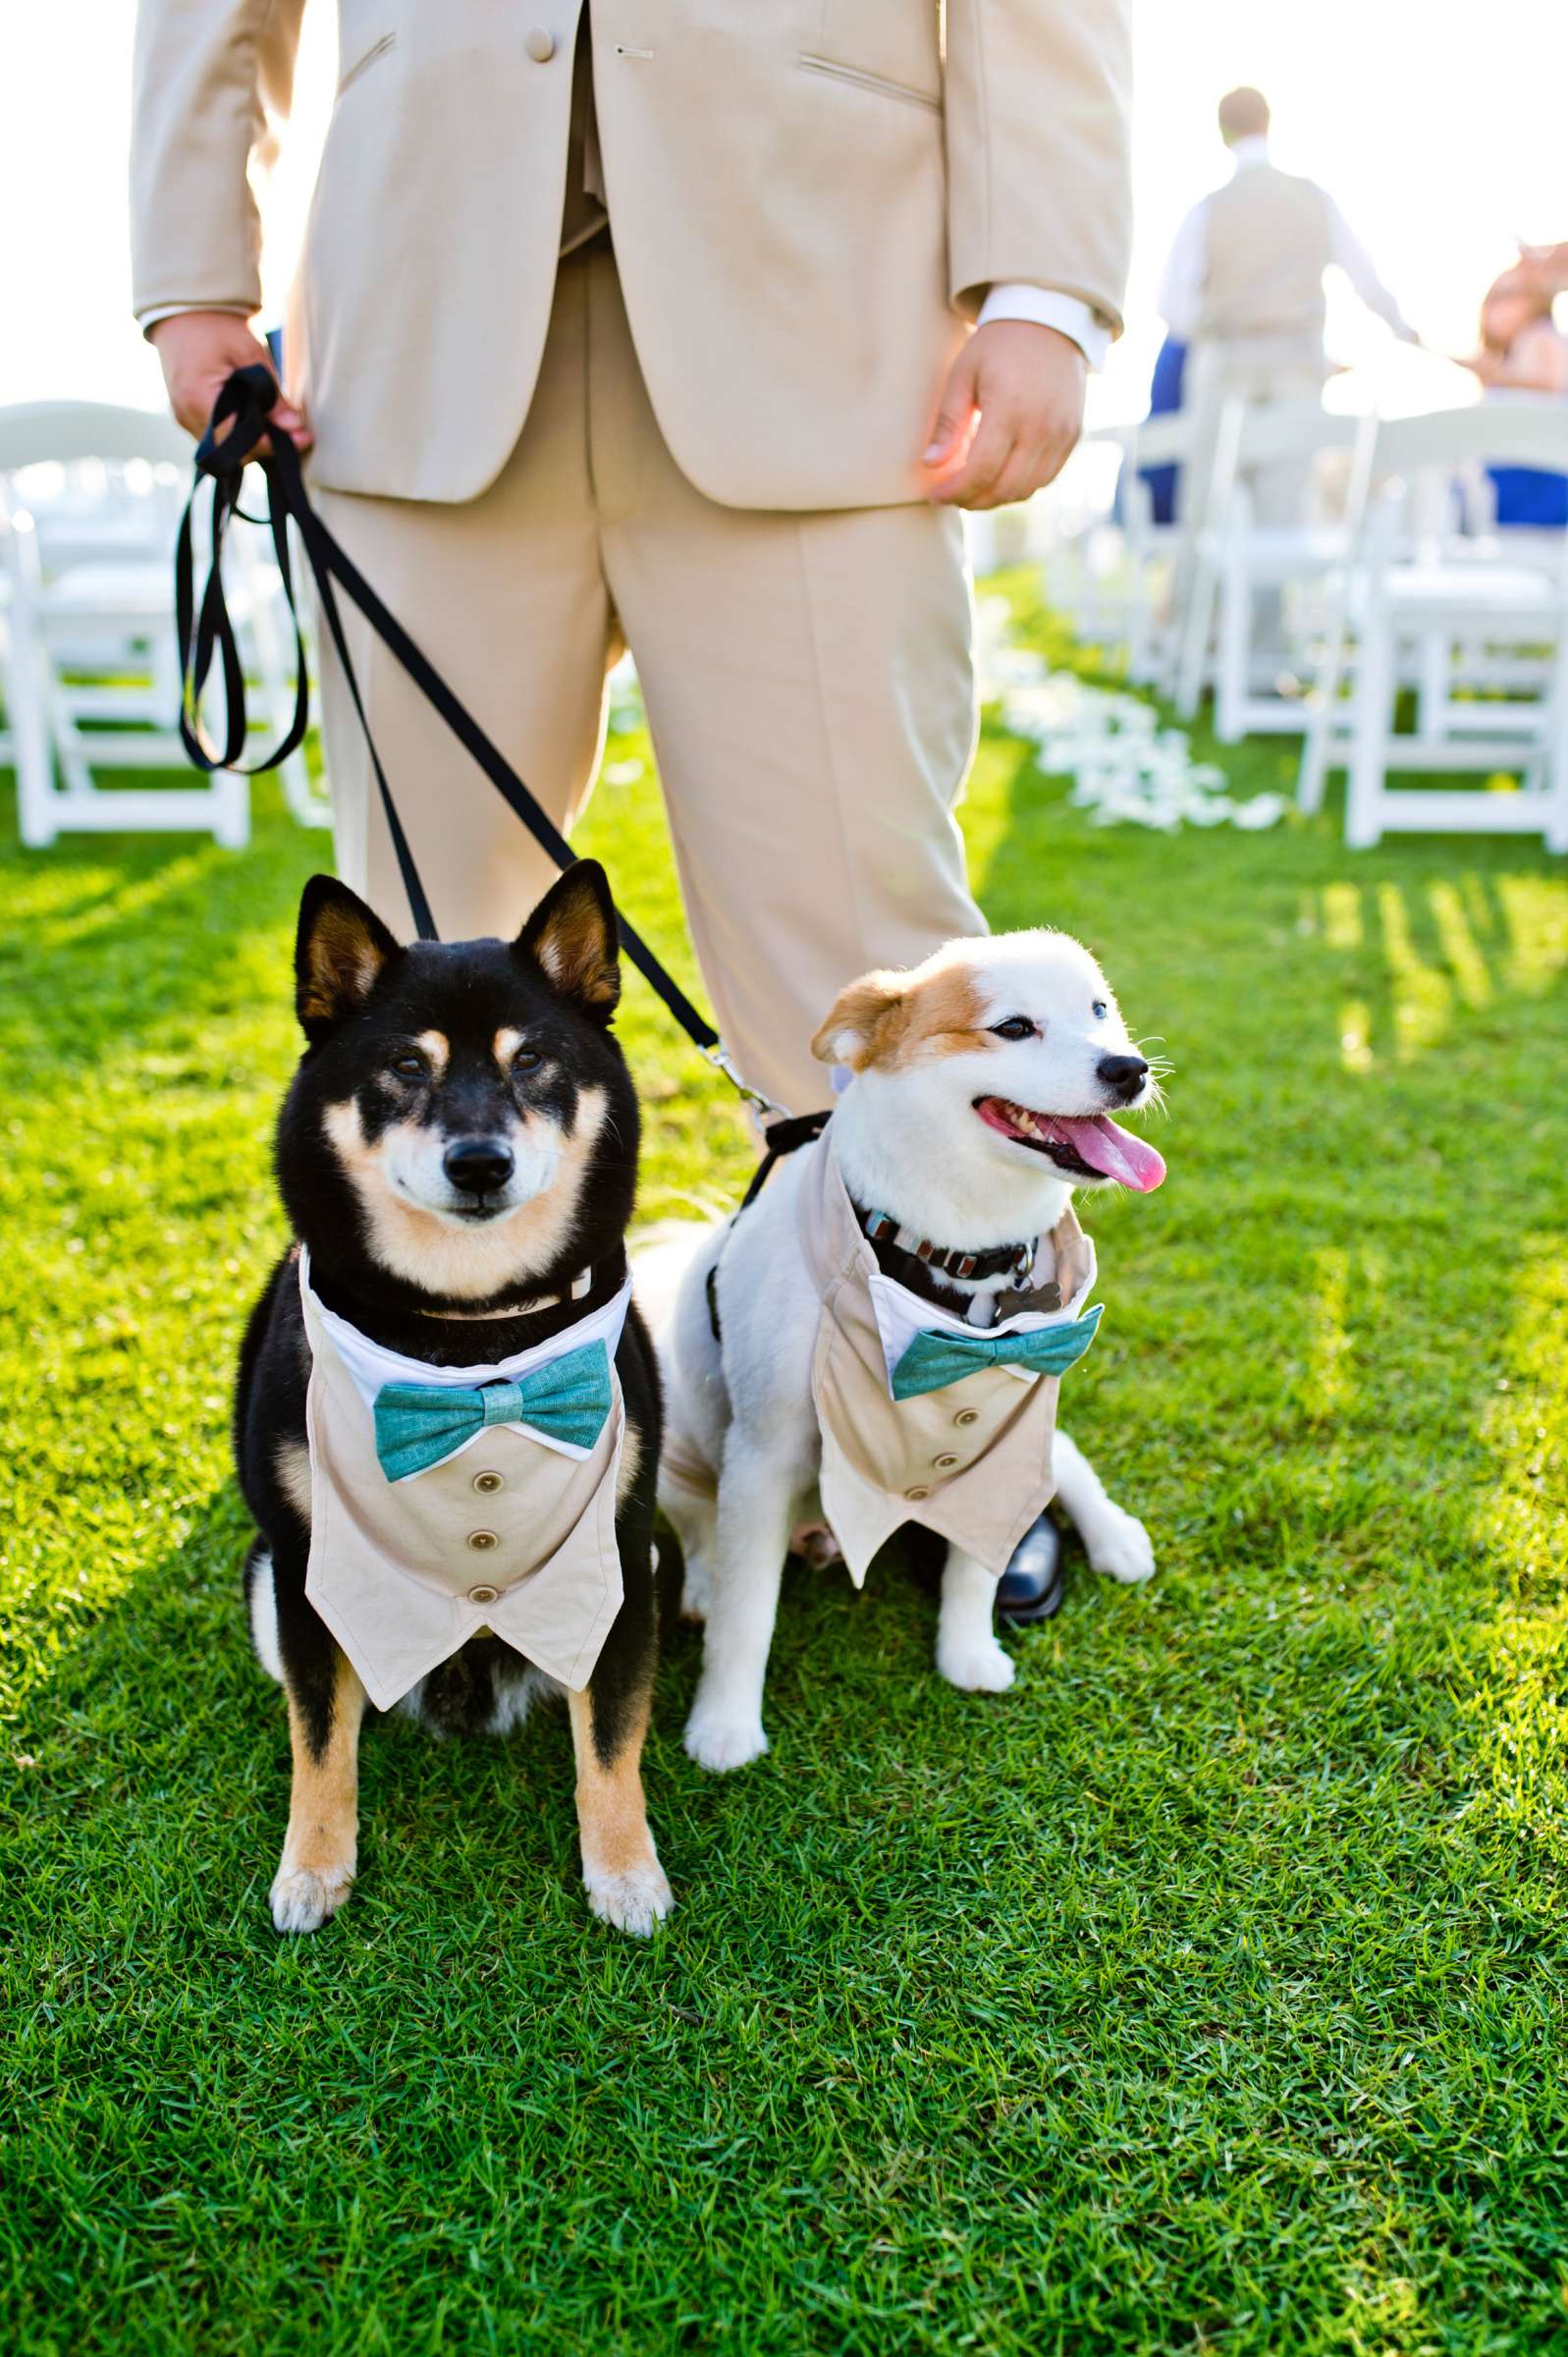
1116,1152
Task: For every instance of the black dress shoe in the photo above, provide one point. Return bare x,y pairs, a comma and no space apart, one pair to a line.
1035,1581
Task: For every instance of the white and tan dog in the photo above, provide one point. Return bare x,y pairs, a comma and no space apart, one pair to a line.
981,1090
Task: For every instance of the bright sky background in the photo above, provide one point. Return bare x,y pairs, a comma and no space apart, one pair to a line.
1439,125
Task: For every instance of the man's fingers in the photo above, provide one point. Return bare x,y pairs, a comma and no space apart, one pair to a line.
955,413
198,350
195,409
1029,464
989,454
1049,460
1014,483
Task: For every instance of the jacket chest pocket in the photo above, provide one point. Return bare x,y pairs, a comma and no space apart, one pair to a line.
890,48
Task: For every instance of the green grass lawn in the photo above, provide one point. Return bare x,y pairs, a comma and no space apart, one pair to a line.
1206,1992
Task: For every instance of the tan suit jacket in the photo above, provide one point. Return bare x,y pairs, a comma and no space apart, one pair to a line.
808,199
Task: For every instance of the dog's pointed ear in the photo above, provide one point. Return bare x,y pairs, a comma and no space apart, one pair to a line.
866,1023
341,948
572,937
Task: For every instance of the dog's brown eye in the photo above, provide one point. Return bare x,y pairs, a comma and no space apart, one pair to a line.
1016,1026
527,1059
409,1066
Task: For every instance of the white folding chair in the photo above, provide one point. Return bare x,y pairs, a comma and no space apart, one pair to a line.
1242,569
1154,550
90,501
1483,637
1082,570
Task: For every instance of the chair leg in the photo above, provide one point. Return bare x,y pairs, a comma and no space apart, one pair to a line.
1139,622
1235,655
1313,774
1556,749
1193,629
1323,718
1431,687
1369,760
27,700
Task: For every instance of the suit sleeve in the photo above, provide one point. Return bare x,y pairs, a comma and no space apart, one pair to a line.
212,82
1037,97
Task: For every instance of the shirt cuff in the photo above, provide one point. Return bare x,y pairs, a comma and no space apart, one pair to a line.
147,320
1043,307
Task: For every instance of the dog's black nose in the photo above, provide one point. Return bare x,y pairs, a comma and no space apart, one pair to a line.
1126,1075
478,1165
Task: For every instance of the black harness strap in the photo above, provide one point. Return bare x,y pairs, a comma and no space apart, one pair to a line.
244,406
779,1138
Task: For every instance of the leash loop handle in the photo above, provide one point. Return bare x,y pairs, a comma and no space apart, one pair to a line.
245,407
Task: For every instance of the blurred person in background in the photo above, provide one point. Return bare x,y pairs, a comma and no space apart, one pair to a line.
1545,267
1243,289
1521,351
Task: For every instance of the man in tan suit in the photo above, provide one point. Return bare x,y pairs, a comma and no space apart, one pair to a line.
856,273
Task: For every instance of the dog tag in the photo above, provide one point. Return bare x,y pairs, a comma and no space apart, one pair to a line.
1044,1297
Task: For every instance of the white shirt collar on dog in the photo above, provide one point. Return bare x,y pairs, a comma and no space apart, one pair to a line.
371,1366
900,1315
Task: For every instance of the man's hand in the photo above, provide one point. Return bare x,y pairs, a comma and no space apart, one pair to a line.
1026,384
198,350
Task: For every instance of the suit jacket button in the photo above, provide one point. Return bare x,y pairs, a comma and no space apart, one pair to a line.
944,1464
483,1595
481,1540
917,1493
540,45
488,1483
967,1416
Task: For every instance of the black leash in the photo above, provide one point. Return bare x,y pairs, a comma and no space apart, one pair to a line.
206,631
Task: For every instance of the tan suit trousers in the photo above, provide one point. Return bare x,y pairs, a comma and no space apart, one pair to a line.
807,678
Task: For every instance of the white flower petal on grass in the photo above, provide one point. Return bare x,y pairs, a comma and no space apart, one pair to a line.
1126,768
1264,810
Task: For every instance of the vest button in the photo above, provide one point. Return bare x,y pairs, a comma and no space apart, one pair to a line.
944,1464
483,1595
488,1483
917,1493
540,45
967,1416
482,1539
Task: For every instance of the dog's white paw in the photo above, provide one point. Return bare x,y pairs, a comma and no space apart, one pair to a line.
633,1901
721,1738
1122,1549
302,1900
979,1664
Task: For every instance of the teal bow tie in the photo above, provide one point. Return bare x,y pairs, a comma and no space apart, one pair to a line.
421,1424
935,1358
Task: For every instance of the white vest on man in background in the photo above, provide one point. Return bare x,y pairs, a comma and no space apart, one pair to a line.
1269,240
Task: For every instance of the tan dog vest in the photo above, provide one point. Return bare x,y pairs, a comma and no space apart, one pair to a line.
510,1534
971,1461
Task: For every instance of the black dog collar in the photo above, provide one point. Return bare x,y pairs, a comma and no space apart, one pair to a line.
881,1228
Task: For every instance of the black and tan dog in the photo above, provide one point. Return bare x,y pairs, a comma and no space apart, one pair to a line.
447,1421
